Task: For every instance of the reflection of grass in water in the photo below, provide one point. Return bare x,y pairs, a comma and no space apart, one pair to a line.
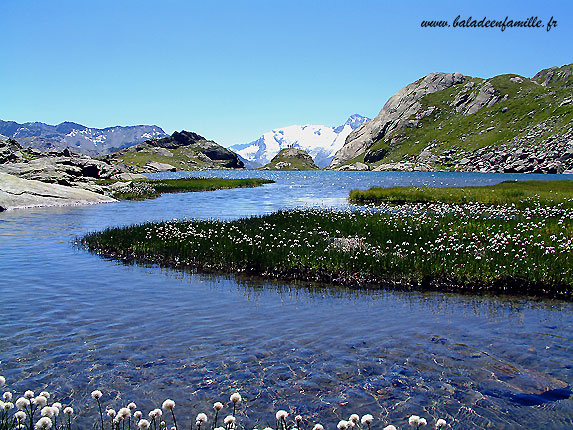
462,248
522,194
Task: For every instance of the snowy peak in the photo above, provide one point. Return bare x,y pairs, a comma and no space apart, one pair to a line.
320,141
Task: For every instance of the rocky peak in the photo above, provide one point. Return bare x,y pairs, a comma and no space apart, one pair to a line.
555,76
395,114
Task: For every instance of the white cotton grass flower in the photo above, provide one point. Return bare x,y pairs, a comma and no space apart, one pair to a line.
441,423
2,380
414,420
41,401
96,394
29,394
45,394
268,428
143,424
217,406
132,406
298,418
7,406
318,427
342,425
367,419
163,425
47,411
281,414
57,405
350,424
22,403
390,427
111,413
355,418
236,398
69,410
219,428
138,414
20,416
7,396
168,405
201,418
43,423
124,413
229,419
422,422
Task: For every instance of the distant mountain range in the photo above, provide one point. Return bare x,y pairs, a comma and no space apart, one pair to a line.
320,141
77,137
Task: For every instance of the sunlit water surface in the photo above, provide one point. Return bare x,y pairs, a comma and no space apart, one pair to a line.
72,322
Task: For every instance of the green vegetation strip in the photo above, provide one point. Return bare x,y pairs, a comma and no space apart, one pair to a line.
150,188
522,194
439,247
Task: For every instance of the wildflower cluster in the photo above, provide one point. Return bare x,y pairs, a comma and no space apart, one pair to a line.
135,190
33,412
496,248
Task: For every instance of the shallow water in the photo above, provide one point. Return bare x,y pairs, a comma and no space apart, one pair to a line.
72,322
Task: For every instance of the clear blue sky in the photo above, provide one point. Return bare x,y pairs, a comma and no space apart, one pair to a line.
232,70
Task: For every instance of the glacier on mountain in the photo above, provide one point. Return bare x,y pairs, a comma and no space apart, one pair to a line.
320,141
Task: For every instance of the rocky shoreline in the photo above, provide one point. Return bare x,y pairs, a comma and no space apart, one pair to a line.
32,178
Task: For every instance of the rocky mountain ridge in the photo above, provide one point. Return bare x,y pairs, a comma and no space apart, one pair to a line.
183,150
78,137
447,121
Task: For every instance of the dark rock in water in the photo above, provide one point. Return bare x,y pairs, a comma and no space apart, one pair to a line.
539,399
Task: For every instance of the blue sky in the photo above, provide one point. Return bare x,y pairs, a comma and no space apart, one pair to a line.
232,70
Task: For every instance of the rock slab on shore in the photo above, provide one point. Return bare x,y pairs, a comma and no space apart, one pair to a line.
18,193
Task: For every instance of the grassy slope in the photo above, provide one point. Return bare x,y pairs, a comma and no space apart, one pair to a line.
183,158
521,194
528,104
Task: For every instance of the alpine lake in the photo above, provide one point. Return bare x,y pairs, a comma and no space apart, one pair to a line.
73,322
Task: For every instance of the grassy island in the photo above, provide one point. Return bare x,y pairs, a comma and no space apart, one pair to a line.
520,193
150,188
430,246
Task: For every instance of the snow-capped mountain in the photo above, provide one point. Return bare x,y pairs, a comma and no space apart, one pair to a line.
320,141
79,138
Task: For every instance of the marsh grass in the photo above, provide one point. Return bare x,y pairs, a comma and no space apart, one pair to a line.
438,247
520,193
151,188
